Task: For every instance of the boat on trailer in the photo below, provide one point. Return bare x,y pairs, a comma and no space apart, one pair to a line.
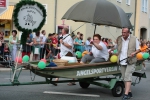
85,74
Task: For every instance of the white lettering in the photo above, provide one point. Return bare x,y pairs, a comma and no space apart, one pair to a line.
96,71
78,73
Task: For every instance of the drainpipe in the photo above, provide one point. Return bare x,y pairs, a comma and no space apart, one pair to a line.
135,16
55,16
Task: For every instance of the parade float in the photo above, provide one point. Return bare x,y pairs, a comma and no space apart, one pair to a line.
30,16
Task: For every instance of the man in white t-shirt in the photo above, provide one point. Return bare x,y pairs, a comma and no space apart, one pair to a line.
127,46
66,44
99,52
66,47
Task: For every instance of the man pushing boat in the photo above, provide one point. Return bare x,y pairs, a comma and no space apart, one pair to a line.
127,46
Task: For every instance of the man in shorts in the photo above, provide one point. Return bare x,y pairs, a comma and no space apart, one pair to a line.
128,46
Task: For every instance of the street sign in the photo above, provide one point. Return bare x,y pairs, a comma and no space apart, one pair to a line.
2,3
3,6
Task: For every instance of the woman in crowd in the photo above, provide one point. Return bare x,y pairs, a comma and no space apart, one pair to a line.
26,48
42,50
13,41
104,41
110,44
78,43
99,51
88,46
37,40
78,40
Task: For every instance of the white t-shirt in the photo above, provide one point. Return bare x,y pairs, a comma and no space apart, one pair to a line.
100,53
64,50
124,50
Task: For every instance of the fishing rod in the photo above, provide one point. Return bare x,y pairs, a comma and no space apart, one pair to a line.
78,28
136,53
71,33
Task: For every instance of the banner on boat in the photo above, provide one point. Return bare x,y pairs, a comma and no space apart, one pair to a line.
96,71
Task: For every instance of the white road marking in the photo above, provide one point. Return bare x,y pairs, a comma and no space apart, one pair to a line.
75,94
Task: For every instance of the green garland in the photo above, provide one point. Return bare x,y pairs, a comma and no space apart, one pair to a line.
26,32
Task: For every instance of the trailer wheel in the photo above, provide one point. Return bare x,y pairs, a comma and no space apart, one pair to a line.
118,89
84,85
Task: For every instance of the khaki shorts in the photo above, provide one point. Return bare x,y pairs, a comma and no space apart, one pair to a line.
126,71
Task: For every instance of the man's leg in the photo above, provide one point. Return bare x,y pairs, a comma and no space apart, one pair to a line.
86,58
123,69
97,60
128,78
127,87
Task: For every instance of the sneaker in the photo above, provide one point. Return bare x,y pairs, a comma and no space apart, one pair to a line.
144,68
130,95
125,97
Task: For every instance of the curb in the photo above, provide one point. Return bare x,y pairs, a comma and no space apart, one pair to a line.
8,69
5,69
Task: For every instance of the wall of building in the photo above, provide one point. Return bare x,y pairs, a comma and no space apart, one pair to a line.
49,26
142,19
62,7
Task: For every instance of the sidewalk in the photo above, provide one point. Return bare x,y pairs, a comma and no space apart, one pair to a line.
2,68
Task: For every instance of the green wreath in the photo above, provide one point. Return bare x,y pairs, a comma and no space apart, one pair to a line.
26,32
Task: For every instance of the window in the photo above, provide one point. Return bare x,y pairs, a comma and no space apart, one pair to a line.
144,5
128,2
45,5
119,1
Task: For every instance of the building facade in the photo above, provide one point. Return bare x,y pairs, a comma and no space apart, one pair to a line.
56,9
142,26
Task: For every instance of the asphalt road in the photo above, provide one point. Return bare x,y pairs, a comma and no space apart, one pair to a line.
65,92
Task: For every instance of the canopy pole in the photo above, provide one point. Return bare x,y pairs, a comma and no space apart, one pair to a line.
95,29
14,73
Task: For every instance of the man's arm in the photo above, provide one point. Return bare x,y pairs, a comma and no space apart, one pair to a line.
99,47
67,45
